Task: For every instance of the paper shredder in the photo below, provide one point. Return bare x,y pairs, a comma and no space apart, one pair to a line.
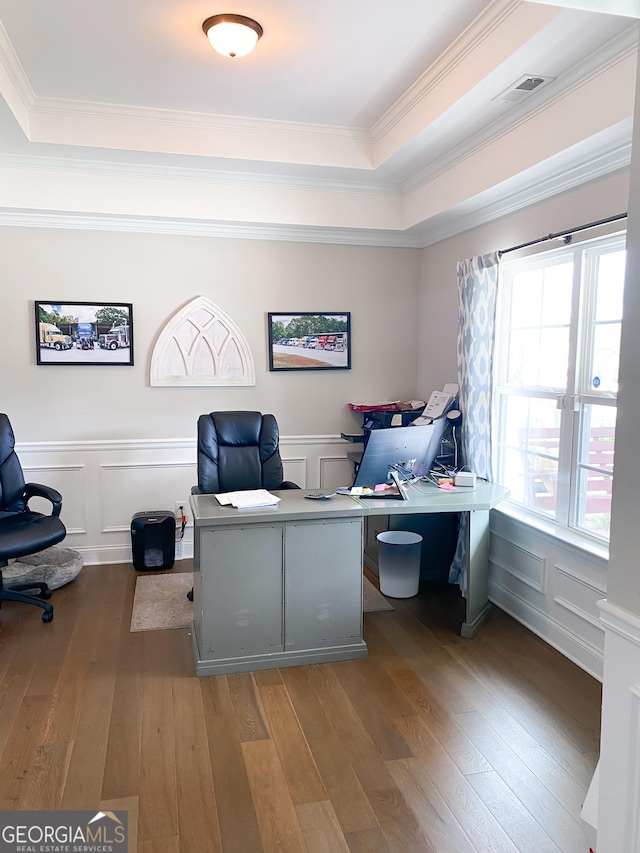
153,540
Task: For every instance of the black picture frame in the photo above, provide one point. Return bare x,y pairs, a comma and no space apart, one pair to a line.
317,340
84,333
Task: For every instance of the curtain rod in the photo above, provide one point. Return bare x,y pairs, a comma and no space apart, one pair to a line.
566,234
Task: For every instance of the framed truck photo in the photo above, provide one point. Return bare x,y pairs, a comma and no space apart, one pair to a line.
88,333
310,341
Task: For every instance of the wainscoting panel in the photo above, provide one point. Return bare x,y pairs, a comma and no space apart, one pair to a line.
618,816
104,483
130,488
295,470
578,595
558,604
522,564
334,471
69,480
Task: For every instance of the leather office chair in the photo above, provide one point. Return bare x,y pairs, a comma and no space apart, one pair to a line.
238,451
24,531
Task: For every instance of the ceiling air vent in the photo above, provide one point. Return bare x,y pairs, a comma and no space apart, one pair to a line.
523,87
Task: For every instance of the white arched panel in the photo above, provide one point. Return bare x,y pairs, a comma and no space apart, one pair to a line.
201,345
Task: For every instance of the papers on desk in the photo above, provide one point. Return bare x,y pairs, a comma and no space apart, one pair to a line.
250,499
439,402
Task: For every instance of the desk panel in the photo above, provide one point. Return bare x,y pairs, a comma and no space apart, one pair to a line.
323,582
242,595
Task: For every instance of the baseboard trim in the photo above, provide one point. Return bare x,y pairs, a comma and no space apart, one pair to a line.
572,646
115,554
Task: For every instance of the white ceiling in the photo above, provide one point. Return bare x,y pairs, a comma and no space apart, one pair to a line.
373,120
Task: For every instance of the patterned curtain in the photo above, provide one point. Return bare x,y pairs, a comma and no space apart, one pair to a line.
477,288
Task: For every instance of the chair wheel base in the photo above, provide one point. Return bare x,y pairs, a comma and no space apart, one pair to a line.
16,594
190,594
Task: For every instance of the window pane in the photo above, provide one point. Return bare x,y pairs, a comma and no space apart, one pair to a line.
553,358
542,432
532,437
558,282
513,477
610,286
601,368
605,358
539,357
516,410
539,335
542,484
594,513
597,436
524,353
526,298
596,450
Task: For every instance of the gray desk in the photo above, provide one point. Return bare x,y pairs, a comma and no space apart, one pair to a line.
425,498
277,587
283,587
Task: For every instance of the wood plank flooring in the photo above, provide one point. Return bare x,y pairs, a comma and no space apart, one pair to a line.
432,744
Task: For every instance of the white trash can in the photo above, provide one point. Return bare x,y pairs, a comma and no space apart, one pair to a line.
399,563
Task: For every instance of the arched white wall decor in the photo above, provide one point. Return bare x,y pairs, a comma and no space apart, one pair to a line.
201,345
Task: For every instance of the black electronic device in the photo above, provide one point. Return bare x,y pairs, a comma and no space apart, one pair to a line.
408,452
320,496
153,540
385,420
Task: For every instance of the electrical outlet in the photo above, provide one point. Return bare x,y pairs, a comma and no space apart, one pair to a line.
184,511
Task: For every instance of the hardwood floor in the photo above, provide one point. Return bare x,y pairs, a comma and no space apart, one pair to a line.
432,744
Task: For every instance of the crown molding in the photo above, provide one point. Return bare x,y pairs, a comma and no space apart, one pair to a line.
14,83
537,189
206,228
199,176
468,41
611,157
60,107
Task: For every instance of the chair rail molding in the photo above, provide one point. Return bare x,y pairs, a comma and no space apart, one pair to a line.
201,346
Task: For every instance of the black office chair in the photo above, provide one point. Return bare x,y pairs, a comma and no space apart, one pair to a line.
23,531
238,451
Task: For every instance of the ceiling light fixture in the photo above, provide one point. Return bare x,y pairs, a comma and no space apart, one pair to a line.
232,35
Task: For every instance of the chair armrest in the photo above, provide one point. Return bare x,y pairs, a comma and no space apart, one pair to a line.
287,484
36,490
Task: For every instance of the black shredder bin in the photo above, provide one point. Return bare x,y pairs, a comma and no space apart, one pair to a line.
153,540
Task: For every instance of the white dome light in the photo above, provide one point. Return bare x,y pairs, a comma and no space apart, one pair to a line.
232,35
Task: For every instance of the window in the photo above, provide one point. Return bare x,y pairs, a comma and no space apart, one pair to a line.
557,354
